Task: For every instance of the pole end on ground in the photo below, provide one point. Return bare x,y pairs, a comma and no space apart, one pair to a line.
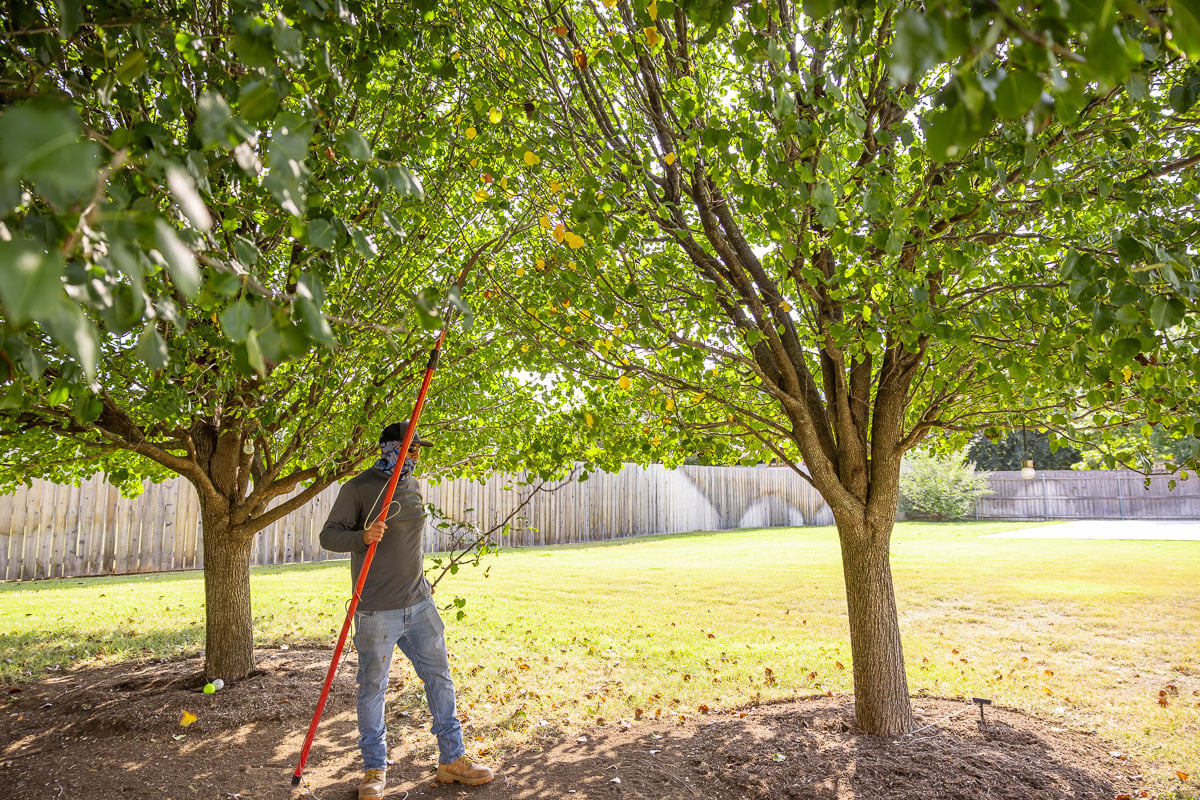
295,780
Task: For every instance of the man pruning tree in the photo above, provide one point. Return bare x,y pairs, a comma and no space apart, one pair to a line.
396,609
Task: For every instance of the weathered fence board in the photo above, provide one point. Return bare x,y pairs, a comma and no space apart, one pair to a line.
1089,494
65,531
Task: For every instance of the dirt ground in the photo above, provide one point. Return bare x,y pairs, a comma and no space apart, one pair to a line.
114,733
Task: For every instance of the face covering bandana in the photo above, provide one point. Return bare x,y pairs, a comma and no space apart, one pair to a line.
389,454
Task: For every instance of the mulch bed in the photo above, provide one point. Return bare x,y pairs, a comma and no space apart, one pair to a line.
114,732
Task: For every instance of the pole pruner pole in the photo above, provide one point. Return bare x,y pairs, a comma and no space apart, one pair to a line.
434,356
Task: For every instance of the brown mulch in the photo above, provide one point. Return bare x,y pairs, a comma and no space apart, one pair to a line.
114,732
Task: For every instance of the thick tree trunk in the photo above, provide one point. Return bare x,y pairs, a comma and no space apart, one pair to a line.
881,701
229,626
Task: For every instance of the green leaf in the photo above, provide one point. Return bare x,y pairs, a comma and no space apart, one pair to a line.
428,313
258,100
184,189
1126,294
181,262
1167,312
236,321
356,146
74,333
1183,96
322,234
1017,93
917,46
405,182
246,251
459,302
213,118
30,279
819,9
70,15
152,348
132,66
41,143
943,129
254,353
1185,26
312,322
287,40
362,243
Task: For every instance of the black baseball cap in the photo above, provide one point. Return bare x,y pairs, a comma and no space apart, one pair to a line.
396,433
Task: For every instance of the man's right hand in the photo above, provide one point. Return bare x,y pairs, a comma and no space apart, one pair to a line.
374,532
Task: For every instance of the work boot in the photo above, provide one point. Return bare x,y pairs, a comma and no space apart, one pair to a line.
371,785
464,771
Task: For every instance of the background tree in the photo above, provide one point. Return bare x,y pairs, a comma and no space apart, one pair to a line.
1018,446
219,261
828,234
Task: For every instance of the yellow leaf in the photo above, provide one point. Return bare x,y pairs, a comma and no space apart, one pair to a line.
539,264
624,382
555,186
531,158
574,241
481,195
187,719
1127,373
652,35
589,419
670,404
504,183
500,52
611,3
652,10
785,307
524,348
495,115
474,161
559,232
520,271
470,133
544,222
580,58
1183,776
669,158
656,441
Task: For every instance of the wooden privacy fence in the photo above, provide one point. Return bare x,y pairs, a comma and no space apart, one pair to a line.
51,531
1089,494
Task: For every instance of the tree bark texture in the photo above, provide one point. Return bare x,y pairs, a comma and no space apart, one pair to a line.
229,624
881,701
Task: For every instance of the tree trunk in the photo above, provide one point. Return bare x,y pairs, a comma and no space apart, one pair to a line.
229,625
881,701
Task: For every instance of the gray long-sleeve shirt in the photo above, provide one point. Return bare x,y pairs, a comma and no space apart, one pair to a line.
396,578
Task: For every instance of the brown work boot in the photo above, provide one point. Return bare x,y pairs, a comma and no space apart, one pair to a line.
464,771
371,785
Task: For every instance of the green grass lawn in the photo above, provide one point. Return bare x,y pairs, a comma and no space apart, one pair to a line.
1083,633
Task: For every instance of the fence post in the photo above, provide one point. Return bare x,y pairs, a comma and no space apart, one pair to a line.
1121,494
1045,499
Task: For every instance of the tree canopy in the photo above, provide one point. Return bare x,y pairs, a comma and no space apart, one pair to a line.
829,232
226,235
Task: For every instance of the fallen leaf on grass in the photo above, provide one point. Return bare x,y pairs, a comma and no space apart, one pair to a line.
1183,776
187,719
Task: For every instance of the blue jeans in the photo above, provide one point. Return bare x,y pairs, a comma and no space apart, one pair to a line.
420,634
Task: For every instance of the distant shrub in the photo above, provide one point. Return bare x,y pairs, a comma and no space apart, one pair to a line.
940,487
